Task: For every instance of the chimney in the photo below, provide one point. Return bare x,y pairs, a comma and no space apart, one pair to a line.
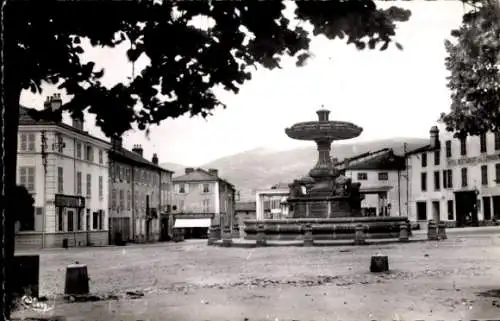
46,104
434,137
213,172
155,159
138,149
56,102
77,122
116,142
189,170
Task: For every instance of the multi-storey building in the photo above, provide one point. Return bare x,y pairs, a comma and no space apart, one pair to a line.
383,178
140,195
203,199
456,180
66,171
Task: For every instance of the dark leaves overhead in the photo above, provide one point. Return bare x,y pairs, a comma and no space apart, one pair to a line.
474,79
44,38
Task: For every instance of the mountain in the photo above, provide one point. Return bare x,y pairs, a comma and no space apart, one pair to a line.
178,169
261,168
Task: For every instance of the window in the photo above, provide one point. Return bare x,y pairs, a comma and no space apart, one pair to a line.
423,182
448,178
89,185
122,200
79,150
27,178
437,181
206,206
437,157
101,218
497,173
79,221
421,211
450,210
71,223
27,142
113,199
424,159
497,141
60,182
487,208
463,146
101,188
101,158
129,200
95,220
206,188
89,153
484,175
482,140
383,176
448,148
60,222
362,176
78,183
464,177
182,188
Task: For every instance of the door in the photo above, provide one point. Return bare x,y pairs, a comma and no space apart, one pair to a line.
466,208
71,222
496,207
436,211
486,208
421,211
164,229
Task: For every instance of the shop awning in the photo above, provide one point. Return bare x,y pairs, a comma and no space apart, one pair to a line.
192,222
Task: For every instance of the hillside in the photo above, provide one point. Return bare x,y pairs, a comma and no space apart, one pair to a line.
261,168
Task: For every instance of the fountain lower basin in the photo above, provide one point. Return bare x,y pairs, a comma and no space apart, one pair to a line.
339,228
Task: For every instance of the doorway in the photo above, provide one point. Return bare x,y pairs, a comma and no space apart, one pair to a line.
164,229
486,208
496,207
466,208
436,211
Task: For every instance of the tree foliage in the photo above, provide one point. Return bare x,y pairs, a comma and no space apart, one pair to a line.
43,42
473,60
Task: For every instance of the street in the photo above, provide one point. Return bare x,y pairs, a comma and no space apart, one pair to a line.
453,279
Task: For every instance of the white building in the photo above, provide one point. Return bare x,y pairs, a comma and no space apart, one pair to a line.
383,179
455,180
271,203
66,171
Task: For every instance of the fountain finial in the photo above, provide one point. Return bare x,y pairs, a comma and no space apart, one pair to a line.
323,114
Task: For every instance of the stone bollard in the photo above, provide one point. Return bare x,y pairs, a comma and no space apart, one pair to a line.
432,231
261,235
379,263
308,236
227,240
403,232
77,281
359,235
441,231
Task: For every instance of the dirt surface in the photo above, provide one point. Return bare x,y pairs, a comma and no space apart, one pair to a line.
454,279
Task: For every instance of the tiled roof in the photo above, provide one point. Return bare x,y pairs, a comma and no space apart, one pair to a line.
200,175
422,149
25,119
381,160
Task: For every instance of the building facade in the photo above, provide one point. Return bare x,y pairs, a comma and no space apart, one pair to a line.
66,171
203,199
456,180
384,181
140,195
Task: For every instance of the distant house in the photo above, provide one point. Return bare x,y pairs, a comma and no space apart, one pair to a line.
384,181
203,199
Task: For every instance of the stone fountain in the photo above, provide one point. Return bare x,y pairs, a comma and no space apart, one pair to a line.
325,205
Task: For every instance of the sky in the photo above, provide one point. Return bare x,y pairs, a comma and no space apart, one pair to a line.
389,93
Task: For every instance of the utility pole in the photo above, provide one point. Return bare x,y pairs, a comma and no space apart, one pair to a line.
405,149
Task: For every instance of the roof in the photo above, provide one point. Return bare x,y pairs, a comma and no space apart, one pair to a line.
281,185
129,157
26,119
383,160
199,175
422,149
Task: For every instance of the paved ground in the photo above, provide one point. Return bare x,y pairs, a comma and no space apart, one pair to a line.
454,279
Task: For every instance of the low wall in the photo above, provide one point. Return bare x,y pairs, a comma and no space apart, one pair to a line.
38,240
326,229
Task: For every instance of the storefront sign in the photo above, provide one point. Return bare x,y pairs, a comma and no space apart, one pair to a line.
70,201
473,160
